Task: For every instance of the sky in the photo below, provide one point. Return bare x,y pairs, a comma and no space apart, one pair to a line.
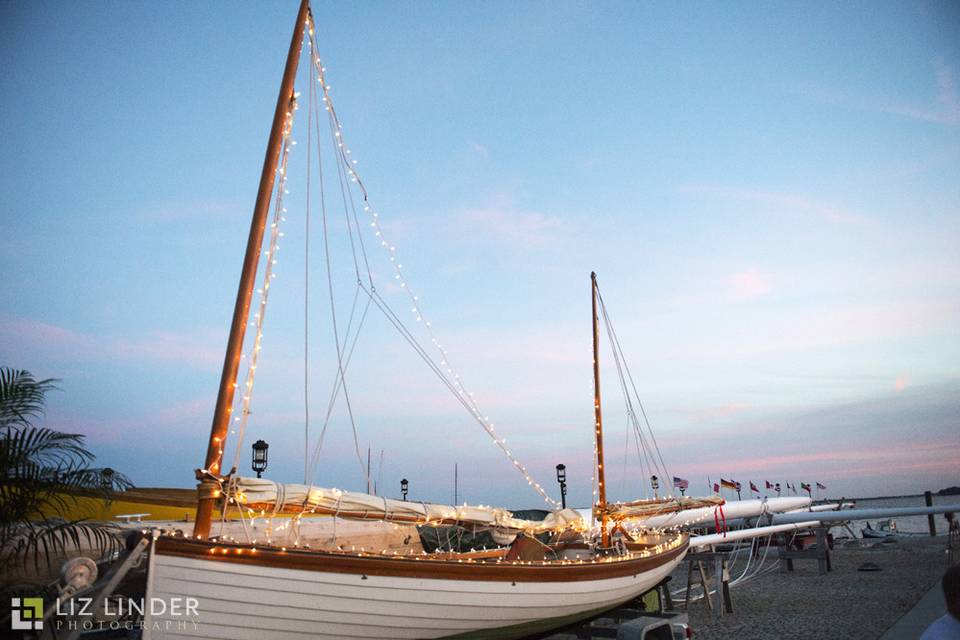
768,192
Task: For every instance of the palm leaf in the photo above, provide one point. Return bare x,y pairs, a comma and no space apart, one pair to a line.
21,396
43,473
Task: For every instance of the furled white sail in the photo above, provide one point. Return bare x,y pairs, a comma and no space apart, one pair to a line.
277,497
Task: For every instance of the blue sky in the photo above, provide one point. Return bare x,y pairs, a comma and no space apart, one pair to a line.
769,193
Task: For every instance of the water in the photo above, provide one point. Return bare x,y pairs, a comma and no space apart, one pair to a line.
910,524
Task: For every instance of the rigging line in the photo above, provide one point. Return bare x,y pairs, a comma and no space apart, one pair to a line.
356,177
626,452
643,411
336,340
638,444
656,447
341,154
340,366
306,281
642,448
459,388
432,365
335,392
631,414
335,136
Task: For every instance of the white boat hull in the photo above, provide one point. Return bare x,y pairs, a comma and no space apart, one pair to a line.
241,601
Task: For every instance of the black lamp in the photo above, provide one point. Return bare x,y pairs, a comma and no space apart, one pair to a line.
260,456
562,479
404,485
655,483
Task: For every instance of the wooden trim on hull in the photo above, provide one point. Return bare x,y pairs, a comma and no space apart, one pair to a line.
416,566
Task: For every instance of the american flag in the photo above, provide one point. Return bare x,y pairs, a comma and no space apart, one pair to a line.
680,483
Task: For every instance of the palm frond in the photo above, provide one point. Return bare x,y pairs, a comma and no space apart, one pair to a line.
43,474
21,396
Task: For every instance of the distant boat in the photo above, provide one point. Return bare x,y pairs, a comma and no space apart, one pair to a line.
886,529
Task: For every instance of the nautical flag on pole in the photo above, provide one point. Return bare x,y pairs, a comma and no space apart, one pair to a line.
680,483
805,487
769,484
716,488
820,486
753,487
792,487
729,484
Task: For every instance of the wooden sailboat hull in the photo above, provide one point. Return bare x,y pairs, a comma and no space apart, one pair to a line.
274,594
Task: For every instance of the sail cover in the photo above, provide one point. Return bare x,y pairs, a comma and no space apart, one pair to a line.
642,509
277,497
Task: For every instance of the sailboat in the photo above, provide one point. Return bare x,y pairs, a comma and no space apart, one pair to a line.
254,585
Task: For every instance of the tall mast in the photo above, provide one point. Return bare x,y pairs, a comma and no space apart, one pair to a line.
206,497
598,426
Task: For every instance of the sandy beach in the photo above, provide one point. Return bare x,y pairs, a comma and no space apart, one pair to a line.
845,603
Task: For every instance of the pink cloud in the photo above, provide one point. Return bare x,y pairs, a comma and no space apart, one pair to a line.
32,337
945,110
749,284
841,325
890,457
712,413
783,202
513,226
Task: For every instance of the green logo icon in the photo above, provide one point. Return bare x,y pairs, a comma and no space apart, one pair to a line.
26,613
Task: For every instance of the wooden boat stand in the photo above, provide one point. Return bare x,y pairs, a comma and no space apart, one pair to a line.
821,553
721,577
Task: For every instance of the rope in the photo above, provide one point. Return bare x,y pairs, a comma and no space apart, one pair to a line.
626,367
306,283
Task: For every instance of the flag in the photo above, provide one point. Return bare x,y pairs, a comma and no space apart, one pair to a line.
753,487
716,488
805,487
820,486
769,485
729,484
680,483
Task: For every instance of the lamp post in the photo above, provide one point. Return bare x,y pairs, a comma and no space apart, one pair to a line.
404,486
260,456
106,478
655,483
562,479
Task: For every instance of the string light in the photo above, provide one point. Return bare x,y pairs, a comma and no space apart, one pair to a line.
264,291
454,377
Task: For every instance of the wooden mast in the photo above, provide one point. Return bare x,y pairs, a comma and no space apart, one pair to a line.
598,426
231,363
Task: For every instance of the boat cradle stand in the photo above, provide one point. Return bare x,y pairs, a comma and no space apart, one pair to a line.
820,553
721,577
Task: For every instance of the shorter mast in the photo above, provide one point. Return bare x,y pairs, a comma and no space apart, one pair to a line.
598,418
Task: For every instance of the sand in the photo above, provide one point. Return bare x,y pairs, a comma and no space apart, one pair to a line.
844,603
